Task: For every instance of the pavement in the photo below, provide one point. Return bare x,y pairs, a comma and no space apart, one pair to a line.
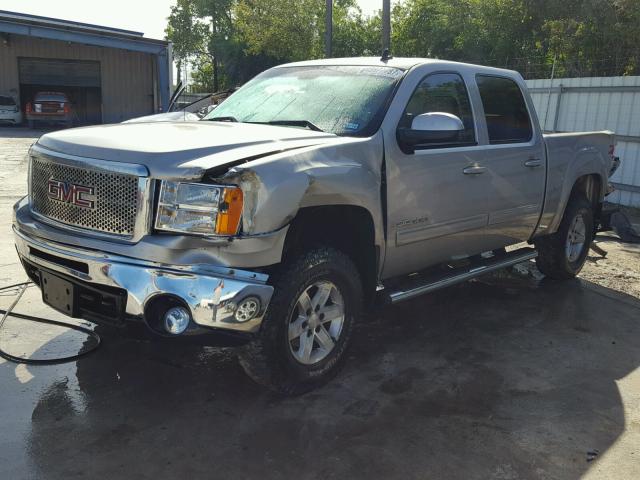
505,377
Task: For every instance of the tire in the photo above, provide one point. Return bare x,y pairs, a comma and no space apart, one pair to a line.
282,364
555,259
31,124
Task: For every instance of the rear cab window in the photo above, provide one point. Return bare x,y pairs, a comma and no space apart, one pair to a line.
505,110
51,97
7,100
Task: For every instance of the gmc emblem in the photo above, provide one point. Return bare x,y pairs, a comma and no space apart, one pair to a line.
78,195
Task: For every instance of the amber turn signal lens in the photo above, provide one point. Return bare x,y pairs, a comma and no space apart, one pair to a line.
229,212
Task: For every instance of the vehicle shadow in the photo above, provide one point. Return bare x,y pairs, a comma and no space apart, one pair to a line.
19,132
503,377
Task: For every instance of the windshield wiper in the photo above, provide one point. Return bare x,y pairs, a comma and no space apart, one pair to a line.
222,119
294,123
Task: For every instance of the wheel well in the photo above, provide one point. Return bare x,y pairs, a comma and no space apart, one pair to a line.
591,187
347,228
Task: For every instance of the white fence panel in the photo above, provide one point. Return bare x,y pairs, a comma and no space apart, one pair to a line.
597,103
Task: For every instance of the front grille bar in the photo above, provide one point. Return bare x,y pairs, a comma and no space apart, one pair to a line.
114,201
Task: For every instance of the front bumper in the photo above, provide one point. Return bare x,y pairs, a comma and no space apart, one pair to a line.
49,117
212,294
11,117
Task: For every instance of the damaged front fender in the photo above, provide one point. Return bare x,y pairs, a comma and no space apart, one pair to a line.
346,172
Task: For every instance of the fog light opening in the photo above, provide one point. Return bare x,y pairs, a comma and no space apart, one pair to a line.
176,320
247,309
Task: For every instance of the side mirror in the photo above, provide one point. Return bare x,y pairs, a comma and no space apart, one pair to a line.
204,111
430,128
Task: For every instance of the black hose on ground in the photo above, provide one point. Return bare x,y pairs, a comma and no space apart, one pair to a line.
21,287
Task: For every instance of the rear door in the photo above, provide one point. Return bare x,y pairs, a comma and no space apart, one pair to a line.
515,160
436,195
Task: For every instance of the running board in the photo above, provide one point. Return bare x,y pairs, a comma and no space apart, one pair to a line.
429,281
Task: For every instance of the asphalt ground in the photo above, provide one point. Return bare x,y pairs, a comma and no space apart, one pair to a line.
506,377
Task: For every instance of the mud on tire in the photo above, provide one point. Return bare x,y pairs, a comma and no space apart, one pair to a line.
553,258
270,359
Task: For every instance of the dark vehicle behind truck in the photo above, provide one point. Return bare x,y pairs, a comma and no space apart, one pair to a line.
49,107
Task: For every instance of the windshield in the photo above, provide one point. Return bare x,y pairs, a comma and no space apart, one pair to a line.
6,100
345,100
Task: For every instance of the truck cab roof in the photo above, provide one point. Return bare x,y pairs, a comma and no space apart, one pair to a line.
403,63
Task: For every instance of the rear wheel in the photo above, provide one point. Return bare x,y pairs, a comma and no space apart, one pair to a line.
307,327
563,254
31,124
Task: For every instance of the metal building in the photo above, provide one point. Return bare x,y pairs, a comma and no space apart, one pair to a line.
109,74
597,103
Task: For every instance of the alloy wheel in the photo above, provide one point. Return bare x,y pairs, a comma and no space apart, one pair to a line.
316,323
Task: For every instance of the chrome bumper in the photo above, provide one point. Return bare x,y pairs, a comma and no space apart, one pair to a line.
211,293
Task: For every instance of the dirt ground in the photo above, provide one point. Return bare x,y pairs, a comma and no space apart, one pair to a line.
506,377
620,270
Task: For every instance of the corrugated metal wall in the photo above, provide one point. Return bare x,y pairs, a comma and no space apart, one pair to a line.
597,103
127,77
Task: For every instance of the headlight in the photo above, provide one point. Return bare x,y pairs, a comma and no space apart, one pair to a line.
199,209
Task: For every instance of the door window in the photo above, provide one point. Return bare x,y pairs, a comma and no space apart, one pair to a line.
446,93
504,110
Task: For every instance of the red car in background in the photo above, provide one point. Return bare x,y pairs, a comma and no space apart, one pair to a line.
49,107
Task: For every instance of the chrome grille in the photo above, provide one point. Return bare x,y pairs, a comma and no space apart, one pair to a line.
116,197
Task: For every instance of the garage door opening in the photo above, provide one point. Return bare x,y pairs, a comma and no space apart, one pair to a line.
80,81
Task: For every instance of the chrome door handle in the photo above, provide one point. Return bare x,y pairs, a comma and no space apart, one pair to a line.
533,163
474,170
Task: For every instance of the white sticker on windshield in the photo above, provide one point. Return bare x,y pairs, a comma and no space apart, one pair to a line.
381,72
352,126
282,88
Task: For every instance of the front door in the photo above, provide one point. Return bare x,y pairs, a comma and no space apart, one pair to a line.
436,194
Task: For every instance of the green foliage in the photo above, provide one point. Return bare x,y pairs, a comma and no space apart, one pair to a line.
232,40
205,33
283,29
187,30
586,37
202,75
353,33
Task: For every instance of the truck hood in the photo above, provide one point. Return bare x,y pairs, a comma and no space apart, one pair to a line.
181,116
181,150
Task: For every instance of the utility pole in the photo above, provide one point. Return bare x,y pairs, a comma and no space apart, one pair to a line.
328,28
386,24
213,50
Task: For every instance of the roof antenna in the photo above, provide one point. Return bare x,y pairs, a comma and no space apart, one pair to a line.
386,55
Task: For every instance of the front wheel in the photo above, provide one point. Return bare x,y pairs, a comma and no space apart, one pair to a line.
307,328
562,255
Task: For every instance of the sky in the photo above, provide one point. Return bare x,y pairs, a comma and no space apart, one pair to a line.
146,16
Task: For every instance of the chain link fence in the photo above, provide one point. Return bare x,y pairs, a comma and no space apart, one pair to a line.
618,63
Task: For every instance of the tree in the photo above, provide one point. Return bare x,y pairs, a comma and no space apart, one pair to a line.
283,29
201,29
585,37
229,41
353,33
204,33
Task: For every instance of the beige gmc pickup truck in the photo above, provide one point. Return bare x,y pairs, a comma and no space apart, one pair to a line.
314,190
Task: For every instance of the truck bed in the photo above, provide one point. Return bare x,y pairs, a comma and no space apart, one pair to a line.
569,156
